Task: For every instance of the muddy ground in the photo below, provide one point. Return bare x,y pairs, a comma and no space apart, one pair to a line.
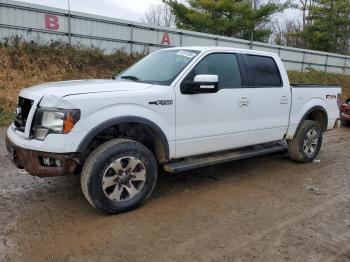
262,209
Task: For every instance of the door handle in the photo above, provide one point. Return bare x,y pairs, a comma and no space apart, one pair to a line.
284,100
243,101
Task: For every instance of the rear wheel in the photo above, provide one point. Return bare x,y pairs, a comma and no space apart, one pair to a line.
119,176
306,144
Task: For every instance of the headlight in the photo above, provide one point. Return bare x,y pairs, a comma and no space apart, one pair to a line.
52,120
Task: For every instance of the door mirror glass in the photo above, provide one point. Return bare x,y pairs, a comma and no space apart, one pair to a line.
201,84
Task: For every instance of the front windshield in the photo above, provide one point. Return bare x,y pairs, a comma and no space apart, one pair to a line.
159,67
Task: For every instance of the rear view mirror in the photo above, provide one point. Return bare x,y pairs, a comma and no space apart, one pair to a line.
201,84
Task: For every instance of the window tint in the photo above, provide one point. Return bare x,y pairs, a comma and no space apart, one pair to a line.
262,71
223,65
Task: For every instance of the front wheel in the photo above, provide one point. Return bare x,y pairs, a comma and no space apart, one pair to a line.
306,144
119,176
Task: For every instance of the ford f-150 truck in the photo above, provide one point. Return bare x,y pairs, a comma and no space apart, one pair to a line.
177,108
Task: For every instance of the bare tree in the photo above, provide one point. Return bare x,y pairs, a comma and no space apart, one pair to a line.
159,15
255,3
305,7
288,34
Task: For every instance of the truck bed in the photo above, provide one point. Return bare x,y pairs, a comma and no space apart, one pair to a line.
306,95
313,86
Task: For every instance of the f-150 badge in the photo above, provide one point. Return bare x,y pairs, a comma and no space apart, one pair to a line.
161,102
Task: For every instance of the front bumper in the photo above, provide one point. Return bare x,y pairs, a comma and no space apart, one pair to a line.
31,161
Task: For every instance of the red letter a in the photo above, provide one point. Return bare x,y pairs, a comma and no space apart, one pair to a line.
165,39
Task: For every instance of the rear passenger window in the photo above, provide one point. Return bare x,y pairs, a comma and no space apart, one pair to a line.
223,65
262,71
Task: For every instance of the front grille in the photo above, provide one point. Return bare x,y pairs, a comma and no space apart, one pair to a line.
22,112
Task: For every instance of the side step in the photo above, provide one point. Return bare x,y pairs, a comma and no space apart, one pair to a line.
225,156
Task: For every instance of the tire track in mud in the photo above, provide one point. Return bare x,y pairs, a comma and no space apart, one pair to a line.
254,210
234,246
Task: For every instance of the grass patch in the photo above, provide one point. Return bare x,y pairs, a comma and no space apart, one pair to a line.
6,118
24,64
315,77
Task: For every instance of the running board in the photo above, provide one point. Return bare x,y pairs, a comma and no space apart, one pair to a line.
222,157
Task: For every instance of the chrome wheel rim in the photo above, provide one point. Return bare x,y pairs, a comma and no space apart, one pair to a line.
310,142
124,178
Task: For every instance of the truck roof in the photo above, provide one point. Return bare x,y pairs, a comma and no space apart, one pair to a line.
223,48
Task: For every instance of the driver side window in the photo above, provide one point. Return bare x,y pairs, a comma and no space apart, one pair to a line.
224,65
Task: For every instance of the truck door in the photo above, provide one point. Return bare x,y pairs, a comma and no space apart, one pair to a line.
209,122
270,100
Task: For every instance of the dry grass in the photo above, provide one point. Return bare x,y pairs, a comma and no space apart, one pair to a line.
24,64
316,77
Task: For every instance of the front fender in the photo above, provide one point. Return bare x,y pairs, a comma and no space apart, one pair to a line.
163,120
120,120
158,118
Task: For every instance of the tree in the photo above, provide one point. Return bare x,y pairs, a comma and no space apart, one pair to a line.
329,26
289,34
292,33
245,19
305,7
159,15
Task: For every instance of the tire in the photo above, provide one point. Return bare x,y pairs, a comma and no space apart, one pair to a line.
302,148
345,123
119,176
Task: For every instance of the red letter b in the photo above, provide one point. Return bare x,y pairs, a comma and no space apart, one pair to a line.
51,22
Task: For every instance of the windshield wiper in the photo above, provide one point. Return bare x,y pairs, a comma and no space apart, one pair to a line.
133,78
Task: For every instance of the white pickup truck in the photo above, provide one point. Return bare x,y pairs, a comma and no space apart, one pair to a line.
177,108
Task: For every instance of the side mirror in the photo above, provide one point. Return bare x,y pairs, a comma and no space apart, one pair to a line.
201,84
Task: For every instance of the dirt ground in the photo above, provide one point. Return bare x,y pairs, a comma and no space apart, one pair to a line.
262,209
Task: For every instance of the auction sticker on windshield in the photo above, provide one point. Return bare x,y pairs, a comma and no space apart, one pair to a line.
186,53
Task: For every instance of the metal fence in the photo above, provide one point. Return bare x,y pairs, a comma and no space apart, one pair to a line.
43,24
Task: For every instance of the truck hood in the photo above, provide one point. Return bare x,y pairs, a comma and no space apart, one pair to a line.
65,88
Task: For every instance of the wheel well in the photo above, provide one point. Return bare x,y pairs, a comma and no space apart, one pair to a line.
318,115
139,132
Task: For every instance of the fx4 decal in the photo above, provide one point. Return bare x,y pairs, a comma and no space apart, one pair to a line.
331,97
161,102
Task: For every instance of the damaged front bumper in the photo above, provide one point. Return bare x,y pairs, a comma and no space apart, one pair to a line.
42,164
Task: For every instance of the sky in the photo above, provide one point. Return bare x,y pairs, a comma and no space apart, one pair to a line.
123,9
